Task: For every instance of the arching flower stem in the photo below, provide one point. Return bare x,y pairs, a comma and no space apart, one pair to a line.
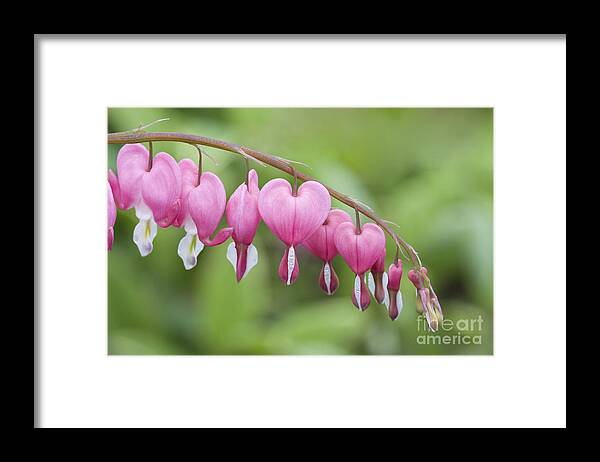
139,136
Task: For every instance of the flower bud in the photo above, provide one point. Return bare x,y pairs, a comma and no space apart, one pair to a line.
416,277
393,286
242,215
428,309
395,275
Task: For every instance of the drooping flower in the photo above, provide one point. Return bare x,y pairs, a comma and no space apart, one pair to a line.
112,217
189,246
203,204
378,279
242,214
427,301
360,248
321,244
395,303
293,217
435,303
153,192
189,180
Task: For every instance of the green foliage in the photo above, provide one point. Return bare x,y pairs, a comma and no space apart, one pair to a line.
428,170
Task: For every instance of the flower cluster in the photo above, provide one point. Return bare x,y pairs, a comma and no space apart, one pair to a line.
427,302
166,193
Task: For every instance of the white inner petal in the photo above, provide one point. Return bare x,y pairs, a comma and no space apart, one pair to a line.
190,226
291,263
357,290
386,299
143,235
371,283
188,249
428,318
399,302
252,259
232,255
327,277
142,211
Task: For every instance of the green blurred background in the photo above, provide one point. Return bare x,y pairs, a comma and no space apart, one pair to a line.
428,170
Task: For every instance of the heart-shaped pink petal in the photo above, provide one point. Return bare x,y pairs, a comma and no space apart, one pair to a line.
113,182
395,275
242,210
206,204
132,162
321,243
379,265
293,218
359,251
161,188
112,217
189,180
393,286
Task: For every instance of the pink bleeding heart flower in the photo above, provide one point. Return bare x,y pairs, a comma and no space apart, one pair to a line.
242,214
161,189
203,204
360,249
393,287
293,217
189,180
112,217
427,301
189,246
206,205
322,246
132,163
154,192
378,279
